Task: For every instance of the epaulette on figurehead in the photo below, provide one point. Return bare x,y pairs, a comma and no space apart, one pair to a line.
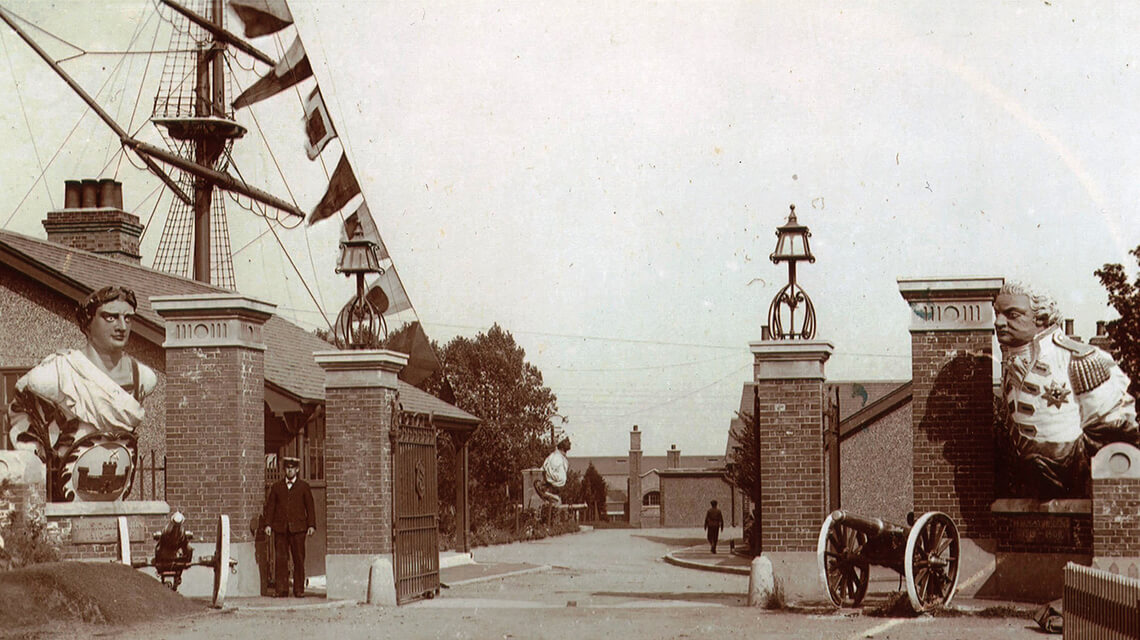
1089,370
1079,349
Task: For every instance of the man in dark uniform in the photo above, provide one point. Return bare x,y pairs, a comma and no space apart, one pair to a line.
290,517
714,524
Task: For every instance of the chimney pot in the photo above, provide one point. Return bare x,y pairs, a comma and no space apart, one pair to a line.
1101,329
110,194
1068,326
89,196
72,190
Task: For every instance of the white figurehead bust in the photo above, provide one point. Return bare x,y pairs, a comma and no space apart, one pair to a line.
78,409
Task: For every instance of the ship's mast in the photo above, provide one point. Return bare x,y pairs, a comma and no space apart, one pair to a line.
209,145
202,128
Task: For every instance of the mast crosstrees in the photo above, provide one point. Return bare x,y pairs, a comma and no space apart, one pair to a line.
191,111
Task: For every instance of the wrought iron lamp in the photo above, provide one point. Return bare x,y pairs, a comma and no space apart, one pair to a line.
791,247
359,325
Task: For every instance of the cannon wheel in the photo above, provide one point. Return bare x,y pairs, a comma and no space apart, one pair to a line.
842,568
221,561
931,561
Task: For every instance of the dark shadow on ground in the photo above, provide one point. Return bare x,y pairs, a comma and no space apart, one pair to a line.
677,541
707,597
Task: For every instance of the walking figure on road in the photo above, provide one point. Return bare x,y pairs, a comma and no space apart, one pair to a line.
554,471
714,524
291,518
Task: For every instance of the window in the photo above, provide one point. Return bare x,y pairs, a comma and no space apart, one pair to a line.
651,499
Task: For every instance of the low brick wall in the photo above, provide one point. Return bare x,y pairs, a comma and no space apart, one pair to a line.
90,530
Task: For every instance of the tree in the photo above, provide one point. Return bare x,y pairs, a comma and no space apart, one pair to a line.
594,491
1124,296
744,470
491,379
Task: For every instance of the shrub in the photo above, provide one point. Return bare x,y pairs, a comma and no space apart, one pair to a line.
24,536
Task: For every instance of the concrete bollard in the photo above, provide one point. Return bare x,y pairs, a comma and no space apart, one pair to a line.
382,583
761,582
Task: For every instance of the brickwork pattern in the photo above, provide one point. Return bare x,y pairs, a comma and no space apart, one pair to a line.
358,466
215,437
106,231
685,500
794,499
1116,517
141,550
953,427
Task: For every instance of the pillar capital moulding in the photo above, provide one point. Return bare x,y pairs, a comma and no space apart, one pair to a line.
790,359
361,368
213,320
950,304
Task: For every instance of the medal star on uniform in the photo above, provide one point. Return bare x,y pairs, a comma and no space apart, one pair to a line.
1056,394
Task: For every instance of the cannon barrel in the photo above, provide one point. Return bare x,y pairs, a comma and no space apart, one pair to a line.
872,527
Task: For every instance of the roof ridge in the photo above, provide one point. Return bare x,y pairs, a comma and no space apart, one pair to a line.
117,263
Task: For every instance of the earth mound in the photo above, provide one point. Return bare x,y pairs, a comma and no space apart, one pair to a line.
87,592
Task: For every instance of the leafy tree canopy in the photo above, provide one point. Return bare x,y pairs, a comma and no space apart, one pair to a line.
1124,296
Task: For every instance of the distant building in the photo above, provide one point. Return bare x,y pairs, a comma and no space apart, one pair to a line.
672,490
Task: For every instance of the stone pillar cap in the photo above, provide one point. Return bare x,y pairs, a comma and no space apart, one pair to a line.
941,288
209,304
363,368
1116,460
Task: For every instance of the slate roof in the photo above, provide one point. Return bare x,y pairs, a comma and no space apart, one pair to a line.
619,465
289,363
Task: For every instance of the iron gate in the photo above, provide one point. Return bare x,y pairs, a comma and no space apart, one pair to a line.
416,509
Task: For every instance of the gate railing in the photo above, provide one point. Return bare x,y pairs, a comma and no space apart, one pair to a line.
1099,605
415,496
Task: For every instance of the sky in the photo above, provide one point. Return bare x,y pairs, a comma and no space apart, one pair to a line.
604,180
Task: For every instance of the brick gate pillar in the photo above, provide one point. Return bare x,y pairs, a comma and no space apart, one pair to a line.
789,376
215,424
1116,509
360,393
951,330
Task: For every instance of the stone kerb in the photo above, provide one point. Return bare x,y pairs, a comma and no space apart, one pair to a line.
360,390
1116,509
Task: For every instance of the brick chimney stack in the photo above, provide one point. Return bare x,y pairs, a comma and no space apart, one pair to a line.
673,458
633,483
92,219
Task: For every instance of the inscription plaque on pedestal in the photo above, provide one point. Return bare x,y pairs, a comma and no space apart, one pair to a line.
103,530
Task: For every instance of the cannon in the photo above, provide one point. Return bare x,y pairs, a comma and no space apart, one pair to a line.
173,555
925,553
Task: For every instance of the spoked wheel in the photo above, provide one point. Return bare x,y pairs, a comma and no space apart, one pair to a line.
842,567
221,561
931,561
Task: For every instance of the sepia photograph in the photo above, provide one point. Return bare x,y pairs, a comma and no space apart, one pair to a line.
474,319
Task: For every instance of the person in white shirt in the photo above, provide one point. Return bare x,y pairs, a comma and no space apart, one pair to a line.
554,471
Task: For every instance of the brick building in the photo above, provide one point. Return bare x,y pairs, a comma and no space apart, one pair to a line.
42,281
670,486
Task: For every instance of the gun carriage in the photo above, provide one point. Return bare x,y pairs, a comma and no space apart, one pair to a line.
924,552
173,554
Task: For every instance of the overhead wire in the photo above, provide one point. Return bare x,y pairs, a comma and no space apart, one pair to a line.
62,144
138,95
27,123
268,222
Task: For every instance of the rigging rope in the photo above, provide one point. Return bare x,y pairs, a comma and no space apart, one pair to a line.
138,97
62,144
28,124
